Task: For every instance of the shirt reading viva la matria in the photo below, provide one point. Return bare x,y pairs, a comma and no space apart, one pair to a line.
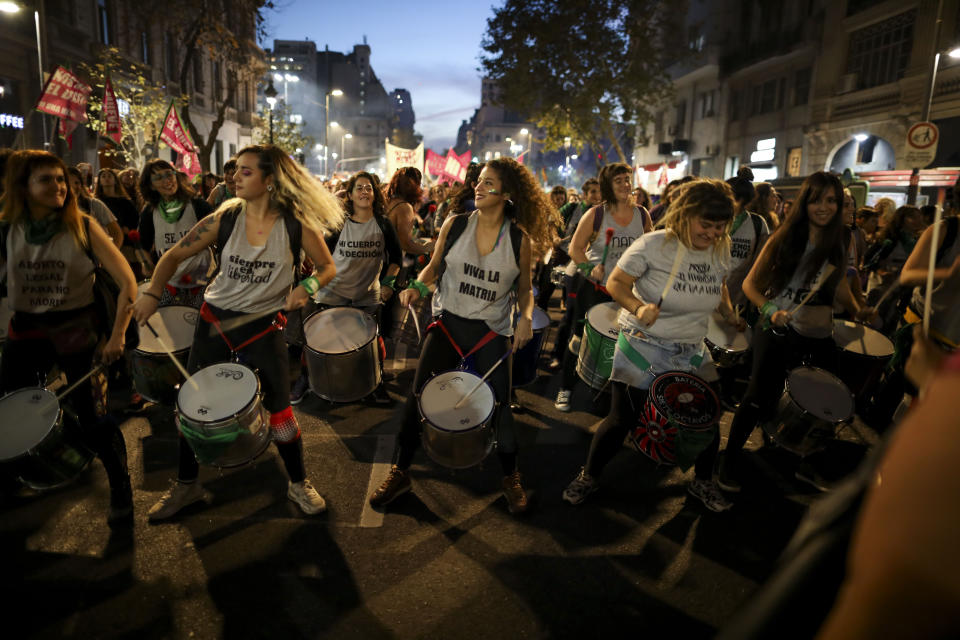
478,287
695,293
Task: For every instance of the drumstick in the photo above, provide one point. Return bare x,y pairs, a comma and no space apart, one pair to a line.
677,259
176,361
482,380
827,270
76,384
606,247
893,287
928,294
416,321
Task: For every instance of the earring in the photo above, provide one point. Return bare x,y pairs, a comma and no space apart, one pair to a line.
269,187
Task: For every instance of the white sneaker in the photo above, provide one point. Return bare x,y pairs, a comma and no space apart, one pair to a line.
581,486
178,496
306,497
563,400
709,494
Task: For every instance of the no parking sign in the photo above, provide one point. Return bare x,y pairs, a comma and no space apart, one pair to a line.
921,145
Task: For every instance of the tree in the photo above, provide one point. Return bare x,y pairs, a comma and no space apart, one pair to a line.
287,135
147,103
581,69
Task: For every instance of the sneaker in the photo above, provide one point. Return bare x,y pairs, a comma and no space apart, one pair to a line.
726,477
306,497
300,389
563,400
396,484
178,496
513,491
515,404
380,396
582,486
709,494
121,505
137,404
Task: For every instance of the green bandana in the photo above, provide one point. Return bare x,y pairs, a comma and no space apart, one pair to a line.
738,221
171,211
42,231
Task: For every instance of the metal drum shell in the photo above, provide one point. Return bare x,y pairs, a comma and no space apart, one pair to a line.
796,428
724,352
594,368
155,376
403,328
343,377
460,449
860,371
525,360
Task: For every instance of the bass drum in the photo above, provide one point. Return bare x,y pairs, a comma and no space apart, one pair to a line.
457,437
863,355
813,403
526,359
41,445
154,374
342,354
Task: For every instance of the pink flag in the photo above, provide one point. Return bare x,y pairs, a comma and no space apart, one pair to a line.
65,96
174,133
111,113
189,163
435,163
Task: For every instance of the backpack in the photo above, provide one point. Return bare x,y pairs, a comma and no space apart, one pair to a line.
598,220
228,221
458,224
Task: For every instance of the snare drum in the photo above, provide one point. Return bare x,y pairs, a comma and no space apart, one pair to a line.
342,353
813,403
154,374
599,341
220,415
677,419
525,360
457,437
403,328
728,347
41,445
863,354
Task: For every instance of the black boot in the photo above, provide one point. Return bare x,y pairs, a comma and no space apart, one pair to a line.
121,504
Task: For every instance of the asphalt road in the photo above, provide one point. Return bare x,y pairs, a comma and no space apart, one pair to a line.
447,561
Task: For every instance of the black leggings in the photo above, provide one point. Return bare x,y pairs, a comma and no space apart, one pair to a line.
588,295
267,356
59,337
438,355
775,353
626,404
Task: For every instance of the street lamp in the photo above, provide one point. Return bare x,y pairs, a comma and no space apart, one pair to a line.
529,134
15,7
346,136
327,124
271,94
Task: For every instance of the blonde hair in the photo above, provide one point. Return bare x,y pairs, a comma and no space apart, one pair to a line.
295,191
704,198
20,166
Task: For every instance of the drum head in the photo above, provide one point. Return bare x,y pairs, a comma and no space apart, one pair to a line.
820,393
174,326
27,415
339,330
603,318
721,334
445,390
859,338
217,392
685,399
540,319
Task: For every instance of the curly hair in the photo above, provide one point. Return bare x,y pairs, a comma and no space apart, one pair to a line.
151,195
405,185
530,208
379,204
703,198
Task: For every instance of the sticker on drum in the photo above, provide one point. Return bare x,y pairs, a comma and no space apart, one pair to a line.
676,421
31,414
603,318
820,393
174,325
339,330
859,338
217,392
443,391
726,336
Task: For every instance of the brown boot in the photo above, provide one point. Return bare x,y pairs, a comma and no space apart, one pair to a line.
396,484
514,493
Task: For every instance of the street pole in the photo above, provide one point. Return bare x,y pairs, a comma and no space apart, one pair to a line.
43,117
914,187
271,125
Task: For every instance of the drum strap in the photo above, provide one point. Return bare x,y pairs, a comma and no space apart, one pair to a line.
279,322
490,335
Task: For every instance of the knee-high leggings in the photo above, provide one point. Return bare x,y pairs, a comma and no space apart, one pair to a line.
438,355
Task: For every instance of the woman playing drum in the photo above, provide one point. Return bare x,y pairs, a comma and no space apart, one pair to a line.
668,283
475,310
48,245
595,252
803,263
276,199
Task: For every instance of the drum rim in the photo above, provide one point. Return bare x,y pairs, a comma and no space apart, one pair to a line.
186,349
479,425
847,323
306,343
706,385
33,448
257,394
843,385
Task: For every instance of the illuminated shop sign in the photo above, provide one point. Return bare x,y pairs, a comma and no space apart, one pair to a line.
12,121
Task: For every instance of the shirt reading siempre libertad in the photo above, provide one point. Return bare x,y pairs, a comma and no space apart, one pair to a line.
695,293
54,276
253,279
478,287
192,272
622,238
358,257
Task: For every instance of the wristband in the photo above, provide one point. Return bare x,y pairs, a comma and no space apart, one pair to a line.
389,281
311,284
585,268
768,309
155,297
637,308
420,287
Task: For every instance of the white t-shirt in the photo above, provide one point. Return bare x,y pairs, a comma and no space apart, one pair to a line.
744,248
695,293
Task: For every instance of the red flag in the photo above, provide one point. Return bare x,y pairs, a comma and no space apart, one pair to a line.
435,163
111,113
174,133
66,131
64,96
189,163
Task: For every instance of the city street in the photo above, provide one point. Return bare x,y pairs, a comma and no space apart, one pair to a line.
446,561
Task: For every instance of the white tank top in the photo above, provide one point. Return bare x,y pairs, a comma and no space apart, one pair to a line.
195,270
54,276
253,279
358,256
622,238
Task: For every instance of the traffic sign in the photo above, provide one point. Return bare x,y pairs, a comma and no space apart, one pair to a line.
921,145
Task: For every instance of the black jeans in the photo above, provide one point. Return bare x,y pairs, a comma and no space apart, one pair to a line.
588,294
438,355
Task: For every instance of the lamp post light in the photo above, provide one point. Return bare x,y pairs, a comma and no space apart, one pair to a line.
38,19
346,136
271,94
529,134
327,124
286,78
